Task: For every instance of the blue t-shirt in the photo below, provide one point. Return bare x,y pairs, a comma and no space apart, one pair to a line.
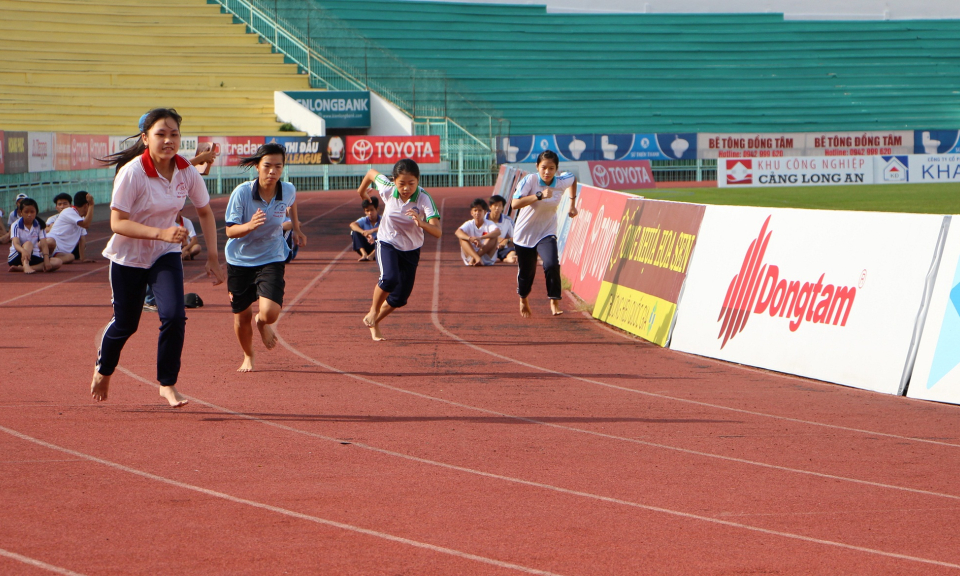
265,244
365,224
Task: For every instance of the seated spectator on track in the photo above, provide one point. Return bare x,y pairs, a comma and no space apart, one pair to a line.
14,216
66,237
190,247
29,249
478,237
364,231
505,250
61,202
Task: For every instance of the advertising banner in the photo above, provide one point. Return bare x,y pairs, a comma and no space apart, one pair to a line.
936,168
622,175
233,148
64,156
119,143
785,144
795,171
929,142
936,375
339,109
824,294
42,149
646,147
647,267
99,149
569,147
2,148
389,149
313,150
81,157
15,148
590,239
188,146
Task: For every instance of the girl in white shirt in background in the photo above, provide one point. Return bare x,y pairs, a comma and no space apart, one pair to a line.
536,201
150,189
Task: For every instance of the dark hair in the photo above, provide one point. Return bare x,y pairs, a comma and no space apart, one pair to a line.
371,203
406,166
264,150
375,201
497,199
479,203
31,202
548,155
80,198
146,122
62,196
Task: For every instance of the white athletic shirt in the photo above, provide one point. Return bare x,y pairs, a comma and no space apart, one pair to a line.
470,227
34,235
66,230
152,200
399,230
539,220
505,225
191,231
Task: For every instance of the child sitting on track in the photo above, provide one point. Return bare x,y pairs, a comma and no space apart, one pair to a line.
28,242
478,237
190,247
66,235
505,250
363,231
407,211
61,202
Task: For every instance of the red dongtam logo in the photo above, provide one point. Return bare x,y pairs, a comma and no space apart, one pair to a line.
739,171
758,288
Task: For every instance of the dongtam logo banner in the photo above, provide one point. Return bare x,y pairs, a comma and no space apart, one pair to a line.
647,268
42,151
823,294
339,109
590,239
936,372
315,150
930,142
646,147
821,171
15,149
389,149
525,149
623,175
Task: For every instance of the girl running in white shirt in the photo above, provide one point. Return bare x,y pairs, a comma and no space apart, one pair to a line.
150,188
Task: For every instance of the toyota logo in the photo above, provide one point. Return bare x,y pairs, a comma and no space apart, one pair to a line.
362,150
600,177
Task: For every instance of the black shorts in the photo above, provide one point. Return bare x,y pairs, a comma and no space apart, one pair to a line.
504,251
246,284
17,260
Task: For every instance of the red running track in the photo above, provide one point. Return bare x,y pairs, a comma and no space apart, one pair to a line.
471,442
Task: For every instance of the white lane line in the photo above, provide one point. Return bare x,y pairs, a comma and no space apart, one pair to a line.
530,483
37,563
277,509
436,322
55,284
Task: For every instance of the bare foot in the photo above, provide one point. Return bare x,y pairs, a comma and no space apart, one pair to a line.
28,270
375,333
247,365
362,259
100,386
524,308
555,307
171,395
266,334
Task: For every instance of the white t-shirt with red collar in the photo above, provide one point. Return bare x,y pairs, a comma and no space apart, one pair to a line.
152,200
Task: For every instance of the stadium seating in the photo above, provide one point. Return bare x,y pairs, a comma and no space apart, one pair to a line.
586,73
94,67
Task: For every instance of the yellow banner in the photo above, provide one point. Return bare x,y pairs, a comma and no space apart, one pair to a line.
646,316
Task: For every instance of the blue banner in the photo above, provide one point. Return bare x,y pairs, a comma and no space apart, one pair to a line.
339,109
594,147
936,142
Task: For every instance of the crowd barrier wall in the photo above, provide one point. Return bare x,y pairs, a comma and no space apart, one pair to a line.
829,295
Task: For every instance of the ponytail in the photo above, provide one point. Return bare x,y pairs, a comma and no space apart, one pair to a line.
146,122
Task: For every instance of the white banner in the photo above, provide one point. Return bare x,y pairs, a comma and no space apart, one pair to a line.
42,151
797,171
787,144
936,375
824,294
935,168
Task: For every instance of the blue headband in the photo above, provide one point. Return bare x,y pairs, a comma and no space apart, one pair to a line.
142,120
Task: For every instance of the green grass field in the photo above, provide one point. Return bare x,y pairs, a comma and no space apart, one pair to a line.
923,198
